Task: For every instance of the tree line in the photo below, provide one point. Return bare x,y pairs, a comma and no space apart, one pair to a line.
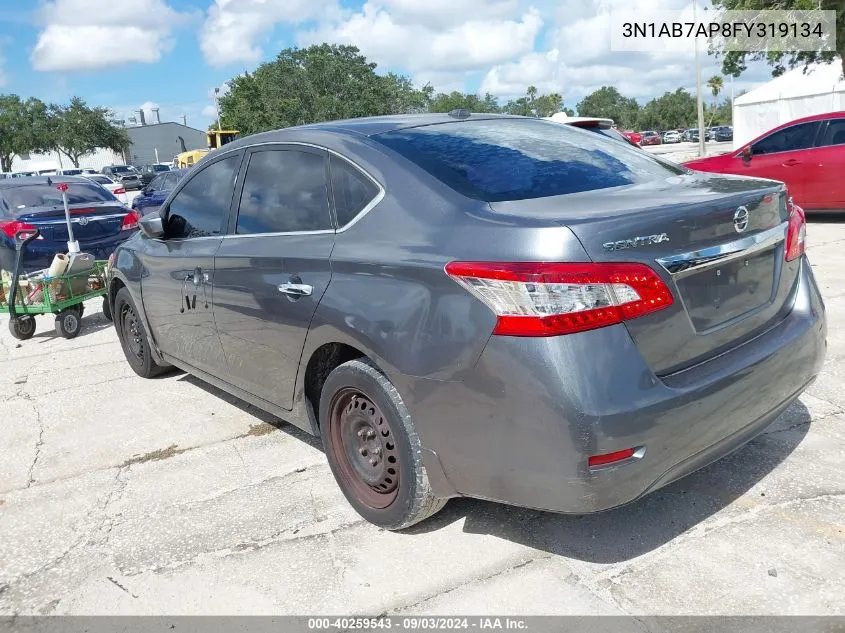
328,82
75,129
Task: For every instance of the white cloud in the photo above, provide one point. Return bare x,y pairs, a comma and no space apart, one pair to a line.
469,45
96,34
234,30
209,111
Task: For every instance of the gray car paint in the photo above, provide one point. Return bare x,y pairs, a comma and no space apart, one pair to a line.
505,418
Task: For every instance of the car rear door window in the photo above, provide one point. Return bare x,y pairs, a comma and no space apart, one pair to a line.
157,184
168,182
284,191
834,134
790,139
201,208
352,190
516,159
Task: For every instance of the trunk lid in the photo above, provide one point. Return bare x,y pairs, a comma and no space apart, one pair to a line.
717,242
91,221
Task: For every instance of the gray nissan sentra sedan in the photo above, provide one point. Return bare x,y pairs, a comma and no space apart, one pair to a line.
474,305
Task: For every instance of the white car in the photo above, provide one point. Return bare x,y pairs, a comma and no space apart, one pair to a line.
672,136
117,189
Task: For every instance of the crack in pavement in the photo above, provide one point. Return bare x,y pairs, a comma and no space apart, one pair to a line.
118,585
39,442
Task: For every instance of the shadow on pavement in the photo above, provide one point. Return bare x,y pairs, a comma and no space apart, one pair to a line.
825,218
639,527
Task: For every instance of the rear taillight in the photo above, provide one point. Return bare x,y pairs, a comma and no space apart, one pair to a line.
12,227
119,190
130,221
548,299
796,231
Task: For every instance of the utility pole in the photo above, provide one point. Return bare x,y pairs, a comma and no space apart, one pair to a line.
217,105
698,97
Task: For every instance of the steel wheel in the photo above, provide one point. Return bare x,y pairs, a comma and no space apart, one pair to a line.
364,448
131,328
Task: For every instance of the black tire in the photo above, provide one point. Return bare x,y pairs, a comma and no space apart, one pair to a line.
107,308
133,336
80,309
393,491
68,323
22,327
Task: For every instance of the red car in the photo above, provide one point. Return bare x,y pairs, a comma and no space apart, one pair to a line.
651,138
807,154
634,137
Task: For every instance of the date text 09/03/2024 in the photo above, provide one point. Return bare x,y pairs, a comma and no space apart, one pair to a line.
416,623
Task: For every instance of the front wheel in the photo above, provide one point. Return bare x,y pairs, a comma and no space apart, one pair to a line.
107,308
68,322
373,449
22,327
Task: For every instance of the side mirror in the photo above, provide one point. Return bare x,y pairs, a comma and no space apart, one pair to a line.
152,225
746,153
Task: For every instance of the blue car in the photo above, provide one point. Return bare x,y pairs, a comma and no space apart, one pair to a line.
154,194
100,221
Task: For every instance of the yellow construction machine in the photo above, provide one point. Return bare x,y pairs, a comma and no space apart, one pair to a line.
216,139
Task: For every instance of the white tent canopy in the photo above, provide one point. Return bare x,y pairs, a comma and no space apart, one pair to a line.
793,95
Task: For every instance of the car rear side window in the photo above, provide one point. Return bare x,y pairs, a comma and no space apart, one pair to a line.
789,139
515,159
352,189
284,191
834,134
201,208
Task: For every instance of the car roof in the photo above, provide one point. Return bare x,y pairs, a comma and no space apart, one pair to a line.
9,183
364,126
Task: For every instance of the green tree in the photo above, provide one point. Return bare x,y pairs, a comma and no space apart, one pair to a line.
533,104
320,83
669,111
443,102
715,83
78,130
608,103
24,128
733,62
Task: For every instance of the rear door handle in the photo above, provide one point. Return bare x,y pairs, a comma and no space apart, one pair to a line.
296,290
792,162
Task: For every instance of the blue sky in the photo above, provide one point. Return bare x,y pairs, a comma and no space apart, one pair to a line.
172,53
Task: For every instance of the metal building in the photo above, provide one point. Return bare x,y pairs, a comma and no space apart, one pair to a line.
160,142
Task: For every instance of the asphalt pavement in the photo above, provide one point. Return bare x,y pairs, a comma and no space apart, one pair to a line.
127,496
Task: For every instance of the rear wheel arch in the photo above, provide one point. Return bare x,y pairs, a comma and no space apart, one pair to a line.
323,362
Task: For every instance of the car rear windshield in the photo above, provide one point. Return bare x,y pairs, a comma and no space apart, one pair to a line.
161,168
122,169
44,195
516,159
102,180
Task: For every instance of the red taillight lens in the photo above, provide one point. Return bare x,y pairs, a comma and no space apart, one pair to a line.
796,231
610,458
12,227
119,190
130,221
549,299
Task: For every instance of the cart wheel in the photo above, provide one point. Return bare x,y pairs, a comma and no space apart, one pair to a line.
22,327
68,323
107,308
80,309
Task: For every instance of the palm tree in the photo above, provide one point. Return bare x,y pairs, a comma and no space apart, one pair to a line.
715,83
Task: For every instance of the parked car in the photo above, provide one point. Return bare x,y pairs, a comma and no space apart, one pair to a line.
671,137
23,174
478,305
807,154
115,188
101,221
651,138
593,124
690,135
126,175
723,133
154,194
148,172
635,137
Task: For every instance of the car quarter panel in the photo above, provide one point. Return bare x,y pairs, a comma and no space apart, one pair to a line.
520,427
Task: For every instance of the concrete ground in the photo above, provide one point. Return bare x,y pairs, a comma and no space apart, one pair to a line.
125,496
680,152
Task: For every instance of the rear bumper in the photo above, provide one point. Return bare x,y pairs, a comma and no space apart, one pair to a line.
520,427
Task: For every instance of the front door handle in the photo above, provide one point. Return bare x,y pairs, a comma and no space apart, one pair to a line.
296,290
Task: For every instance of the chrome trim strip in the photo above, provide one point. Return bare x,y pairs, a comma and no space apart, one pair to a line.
75,218
233,236
684,264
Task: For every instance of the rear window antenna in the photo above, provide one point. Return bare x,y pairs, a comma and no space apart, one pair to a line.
460,113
